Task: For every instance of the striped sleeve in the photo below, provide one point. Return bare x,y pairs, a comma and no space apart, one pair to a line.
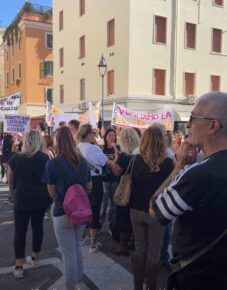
180,196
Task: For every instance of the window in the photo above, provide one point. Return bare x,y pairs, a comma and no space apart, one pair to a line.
49,40
7,78
61,94
19,71
110,82
160,30
159,82
60,20
216,40
110,32
82,7
218,3
13,75
82,46
82,89
190,35
46,68
12,50
19,43
215,82
61,57
7,55
49,95
189,84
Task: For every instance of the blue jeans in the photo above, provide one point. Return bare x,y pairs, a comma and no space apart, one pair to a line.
68,238
107,202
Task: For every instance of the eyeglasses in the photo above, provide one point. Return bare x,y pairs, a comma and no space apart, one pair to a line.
203,118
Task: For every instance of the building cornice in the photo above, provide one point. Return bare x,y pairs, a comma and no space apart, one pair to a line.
35,24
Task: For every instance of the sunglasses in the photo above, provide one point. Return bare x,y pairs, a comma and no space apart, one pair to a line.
203,118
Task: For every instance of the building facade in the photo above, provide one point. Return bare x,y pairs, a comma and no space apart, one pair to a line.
28,61
2,85
160,54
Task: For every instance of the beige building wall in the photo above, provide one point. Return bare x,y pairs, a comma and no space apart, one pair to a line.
135,55
2,81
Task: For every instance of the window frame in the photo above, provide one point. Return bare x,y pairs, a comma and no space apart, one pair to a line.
184,84
155,32
110,42
211,82
82,52
61,57
212,40
46,34
82,82
185,36
153,82
13,74
218,5
61,20
81,7
61,96
108,82
19,72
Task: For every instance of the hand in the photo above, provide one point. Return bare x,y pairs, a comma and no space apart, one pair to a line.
186,154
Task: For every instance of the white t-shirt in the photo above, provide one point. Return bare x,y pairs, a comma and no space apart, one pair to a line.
94,156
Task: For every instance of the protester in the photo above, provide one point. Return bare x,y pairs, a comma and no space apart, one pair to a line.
48,147
97,160
31,198
129,140
62,124
68,236
74,128
42,127
195,196
110,149
151,167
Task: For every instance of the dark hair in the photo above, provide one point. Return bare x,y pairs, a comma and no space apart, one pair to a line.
75,123
65,146
106,133
48,140
43,126
62,124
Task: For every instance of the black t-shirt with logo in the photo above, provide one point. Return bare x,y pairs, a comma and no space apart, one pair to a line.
110,154
145,182
197,200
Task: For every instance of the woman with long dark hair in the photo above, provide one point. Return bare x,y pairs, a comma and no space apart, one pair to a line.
77,171
151,168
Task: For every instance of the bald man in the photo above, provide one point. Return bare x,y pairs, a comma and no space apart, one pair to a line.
195,197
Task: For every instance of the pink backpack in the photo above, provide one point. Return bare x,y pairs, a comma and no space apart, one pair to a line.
76,203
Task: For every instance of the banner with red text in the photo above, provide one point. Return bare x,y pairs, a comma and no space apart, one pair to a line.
125,117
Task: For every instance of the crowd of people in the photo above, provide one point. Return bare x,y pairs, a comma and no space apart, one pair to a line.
174,193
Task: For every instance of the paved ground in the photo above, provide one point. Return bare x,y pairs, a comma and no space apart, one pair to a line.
104,271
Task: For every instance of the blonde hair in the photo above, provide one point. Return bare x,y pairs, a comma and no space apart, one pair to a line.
129,140
153,147
84,130
32,143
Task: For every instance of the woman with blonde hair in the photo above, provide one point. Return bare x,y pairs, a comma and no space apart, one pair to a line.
129,141
151,168
31,199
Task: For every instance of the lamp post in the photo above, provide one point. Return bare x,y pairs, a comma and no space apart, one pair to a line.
102,71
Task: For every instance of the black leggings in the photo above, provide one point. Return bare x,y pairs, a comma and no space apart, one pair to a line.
21,219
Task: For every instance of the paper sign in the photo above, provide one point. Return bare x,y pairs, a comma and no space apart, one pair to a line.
16,124
10,104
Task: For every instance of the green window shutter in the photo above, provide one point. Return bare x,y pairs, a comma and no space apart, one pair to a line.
50,95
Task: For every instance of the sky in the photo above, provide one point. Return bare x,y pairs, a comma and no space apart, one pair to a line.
10,8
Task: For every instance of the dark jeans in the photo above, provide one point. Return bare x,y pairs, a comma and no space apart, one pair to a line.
21,219
165,254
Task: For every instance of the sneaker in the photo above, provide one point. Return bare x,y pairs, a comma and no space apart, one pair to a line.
95,248
31,261
18,272
85,241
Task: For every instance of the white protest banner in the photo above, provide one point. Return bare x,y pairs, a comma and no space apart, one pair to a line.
124,117
10,104
63,117
91,116
16,123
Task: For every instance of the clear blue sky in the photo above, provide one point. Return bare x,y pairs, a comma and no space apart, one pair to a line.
9,9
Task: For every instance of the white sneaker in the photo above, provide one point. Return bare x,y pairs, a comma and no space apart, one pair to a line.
94,249
30,261
18,273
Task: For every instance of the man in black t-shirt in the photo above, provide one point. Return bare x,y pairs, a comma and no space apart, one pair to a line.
195,196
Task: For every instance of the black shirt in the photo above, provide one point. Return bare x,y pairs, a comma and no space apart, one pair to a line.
29,189
110,154
197,198
145,182
123,161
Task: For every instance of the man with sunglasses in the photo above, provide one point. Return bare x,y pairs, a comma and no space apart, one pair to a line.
195,197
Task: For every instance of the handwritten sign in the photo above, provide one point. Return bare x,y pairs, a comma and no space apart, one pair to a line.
10,104
124,117
16,123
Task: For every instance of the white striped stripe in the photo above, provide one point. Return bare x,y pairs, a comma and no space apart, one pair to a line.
163,210
172,207
179,200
